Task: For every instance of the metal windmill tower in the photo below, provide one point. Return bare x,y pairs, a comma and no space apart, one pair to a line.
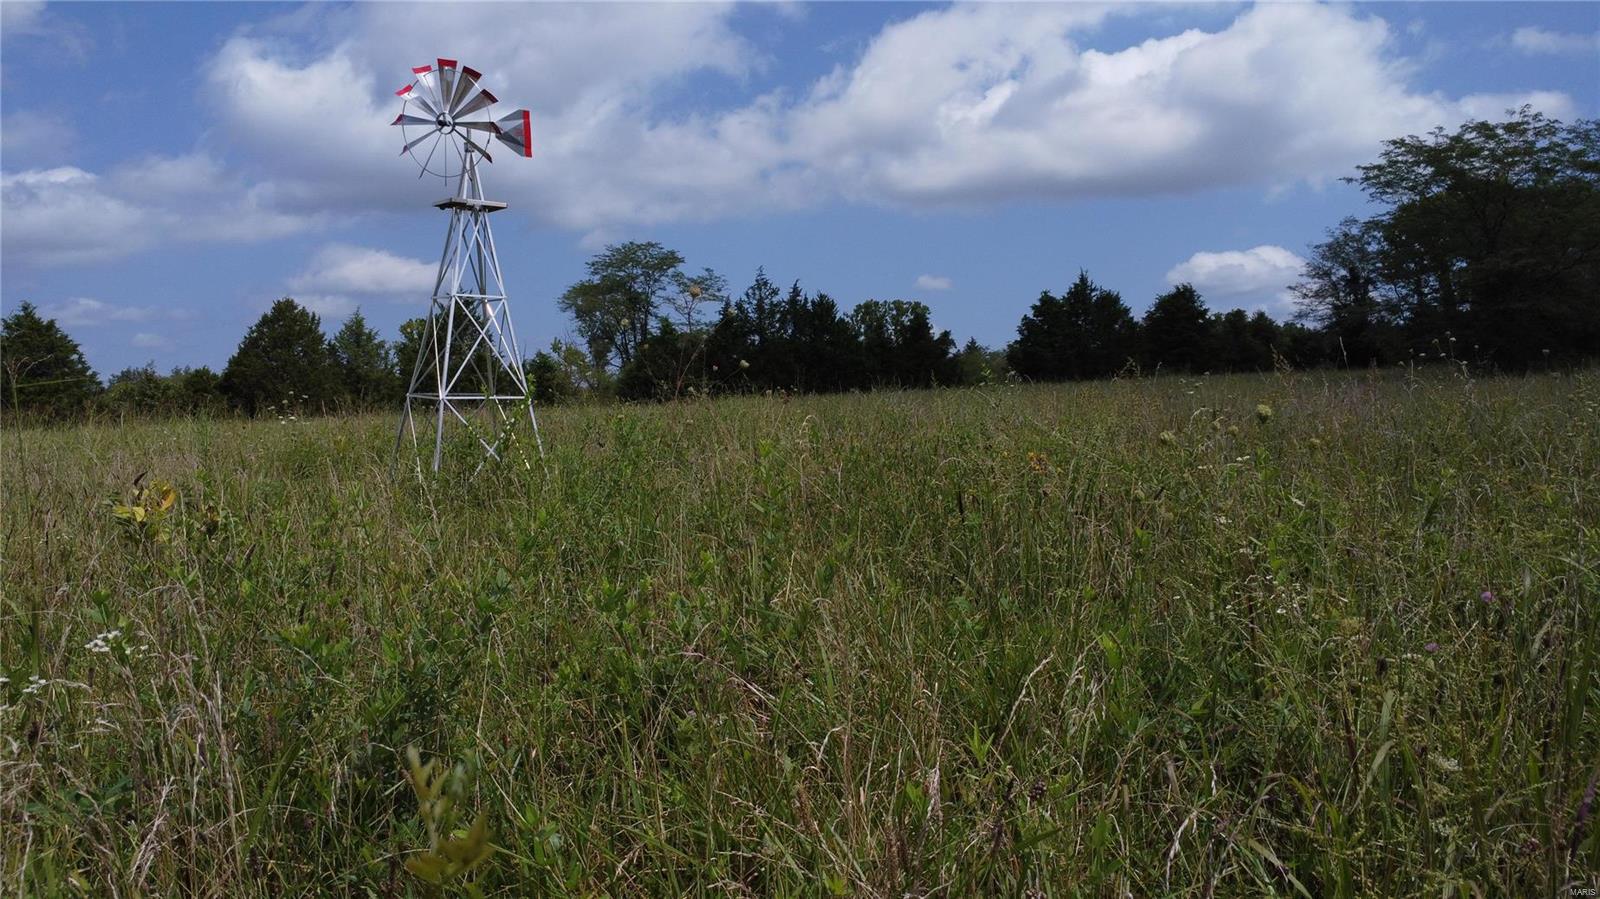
468,371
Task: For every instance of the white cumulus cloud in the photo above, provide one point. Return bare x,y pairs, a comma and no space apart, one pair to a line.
970,104
87,311
1532,39
934,282
147,341
342,269
68,216
327,306
1258,278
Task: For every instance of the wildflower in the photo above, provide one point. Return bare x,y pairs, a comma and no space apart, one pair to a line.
1263,413
744,363
1038,462
35,684
1487,596
102,642
1431,646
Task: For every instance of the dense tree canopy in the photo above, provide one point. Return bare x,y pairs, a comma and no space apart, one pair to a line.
283,362
614,309
1491,236
1087,332
42,370
1178,332
367,371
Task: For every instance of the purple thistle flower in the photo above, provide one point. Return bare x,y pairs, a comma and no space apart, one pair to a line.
1487,596
1431,647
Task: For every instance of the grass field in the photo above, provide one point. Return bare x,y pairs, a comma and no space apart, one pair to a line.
1321,635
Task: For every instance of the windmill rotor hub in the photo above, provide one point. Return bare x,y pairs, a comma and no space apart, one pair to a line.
446,120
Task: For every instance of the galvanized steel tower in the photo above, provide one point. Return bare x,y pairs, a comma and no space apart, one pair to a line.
468,371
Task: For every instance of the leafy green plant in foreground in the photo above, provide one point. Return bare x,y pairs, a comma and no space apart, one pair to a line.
452,854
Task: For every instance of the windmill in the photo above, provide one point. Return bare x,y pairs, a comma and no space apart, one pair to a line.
468,370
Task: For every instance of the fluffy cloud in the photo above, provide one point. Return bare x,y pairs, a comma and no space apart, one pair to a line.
67,216
144,340
20,17
1258,277
85,311
328,306
1530,39
934,282
344,269
964,105
28,19
589,72
340,276
34,136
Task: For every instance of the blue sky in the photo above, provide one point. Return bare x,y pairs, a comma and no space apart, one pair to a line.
171,169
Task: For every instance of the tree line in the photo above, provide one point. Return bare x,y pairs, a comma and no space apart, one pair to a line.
1486,250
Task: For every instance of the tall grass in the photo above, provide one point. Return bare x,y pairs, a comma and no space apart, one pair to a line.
1296,635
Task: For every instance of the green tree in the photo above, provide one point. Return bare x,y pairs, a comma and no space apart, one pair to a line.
1492,236
198,389
900,346
407,348
552,383
366,363
615,307
690,292
827,350
42,370
1342,292
668,364
1243,342
979,365
1087,332
141,391
284,361
1177,332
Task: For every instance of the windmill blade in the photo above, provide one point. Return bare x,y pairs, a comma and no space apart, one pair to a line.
474,145
447,81
515,132
483,100
490,127
428,80
410,94
427,134
404,119
466,83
